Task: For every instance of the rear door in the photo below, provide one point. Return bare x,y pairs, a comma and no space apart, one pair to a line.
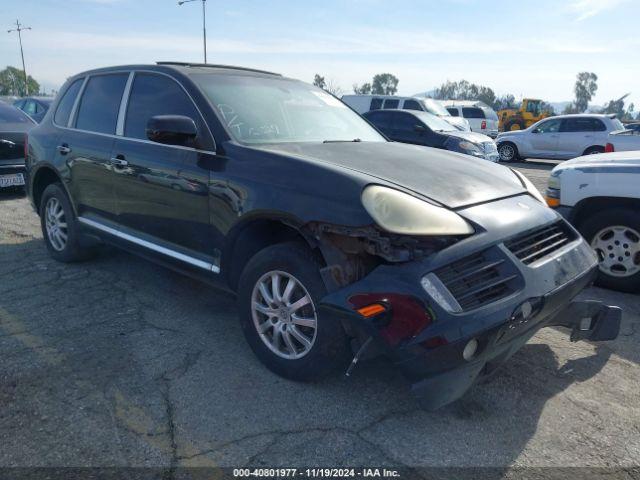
544,139
84,146
162,190
575,136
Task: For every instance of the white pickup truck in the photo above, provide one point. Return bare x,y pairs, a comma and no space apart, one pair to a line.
600,196
623,141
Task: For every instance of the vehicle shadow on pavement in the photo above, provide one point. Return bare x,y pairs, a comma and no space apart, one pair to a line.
119,362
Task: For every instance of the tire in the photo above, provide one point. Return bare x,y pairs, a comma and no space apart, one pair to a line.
601,231
64,246
329,345
514,125
594,150
508,152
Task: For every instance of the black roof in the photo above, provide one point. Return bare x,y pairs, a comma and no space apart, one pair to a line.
217,66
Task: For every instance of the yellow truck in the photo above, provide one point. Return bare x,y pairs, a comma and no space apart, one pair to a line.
530,112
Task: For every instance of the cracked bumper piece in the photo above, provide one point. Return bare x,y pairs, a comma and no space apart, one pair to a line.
445,333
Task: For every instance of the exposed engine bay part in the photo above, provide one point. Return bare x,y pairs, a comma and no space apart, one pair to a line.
352,252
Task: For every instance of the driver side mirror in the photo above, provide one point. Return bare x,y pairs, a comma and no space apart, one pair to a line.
172,130
535,130
419,128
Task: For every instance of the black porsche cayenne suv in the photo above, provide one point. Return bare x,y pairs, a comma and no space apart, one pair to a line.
339,243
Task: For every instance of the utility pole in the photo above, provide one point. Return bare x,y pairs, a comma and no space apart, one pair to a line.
204,23
19,29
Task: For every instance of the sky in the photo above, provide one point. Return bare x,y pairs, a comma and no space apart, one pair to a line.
526,48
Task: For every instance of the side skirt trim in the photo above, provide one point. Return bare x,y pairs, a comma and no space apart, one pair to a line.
150,245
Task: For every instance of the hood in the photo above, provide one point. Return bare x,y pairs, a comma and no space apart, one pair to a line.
457,122
605,160
513,133
473,137
449,178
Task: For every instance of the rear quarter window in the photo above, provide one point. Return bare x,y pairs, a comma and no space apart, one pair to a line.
66,103
472,112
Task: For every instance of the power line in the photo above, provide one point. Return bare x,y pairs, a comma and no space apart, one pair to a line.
19,28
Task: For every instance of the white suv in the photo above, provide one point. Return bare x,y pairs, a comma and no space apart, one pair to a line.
366,103
560,138
481,117
600,195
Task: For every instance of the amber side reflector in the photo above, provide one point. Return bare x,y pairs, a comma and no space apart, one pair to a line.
553,202
371,310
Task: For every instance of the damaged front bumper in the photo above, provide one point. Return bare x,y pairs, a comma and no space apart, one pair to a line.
457,315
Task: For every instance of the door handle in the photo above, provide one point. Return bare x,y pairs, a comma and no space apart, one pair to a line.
119,161
64,149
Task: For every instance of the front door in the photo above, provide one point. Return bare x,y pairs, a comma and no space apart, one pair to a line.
161,190
544,139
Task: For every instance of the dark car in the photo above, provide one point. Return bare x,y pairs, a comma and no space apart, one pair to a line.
337,242
633,126
35,107
14,126
422,128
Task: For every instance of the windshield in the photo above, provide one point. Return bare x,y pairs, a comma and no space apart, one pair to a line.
435,123
433,106
10,114
274,110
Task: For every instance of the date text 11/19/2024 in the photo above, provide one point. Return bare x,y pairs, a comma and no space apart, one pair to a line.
315,472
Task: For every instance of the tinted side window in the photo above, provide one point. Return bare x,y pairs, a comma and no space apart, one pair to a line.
100,103
411,105
472,112
155,95
391,103
381,120
583,125
405,122
453,112
376,104
66,103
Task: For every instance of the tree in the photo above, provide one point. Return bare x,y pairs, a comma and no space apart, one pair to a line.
333,88
505,101
617,107
464,90
319,81
12,83
585,88
384,84
364,89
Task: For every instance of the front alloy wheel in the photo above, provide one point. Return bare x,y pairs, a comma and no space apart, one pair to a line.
279,294
507,152
284,315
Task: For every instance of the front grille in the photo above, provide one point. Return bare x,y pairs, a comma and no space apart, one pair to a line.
477,280
537,244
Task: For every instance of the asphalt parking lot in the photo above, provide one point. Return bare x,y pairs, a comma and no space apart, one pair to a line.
119,362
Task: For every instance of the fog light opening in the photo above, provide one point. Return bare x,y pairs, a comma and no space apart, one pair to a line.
470,350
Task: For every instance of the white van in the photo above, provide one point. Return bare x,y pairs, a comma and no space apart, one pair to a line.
366,103
481,117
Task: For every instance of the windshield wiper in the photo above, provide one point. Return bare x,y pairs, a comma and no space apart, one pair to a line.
342,141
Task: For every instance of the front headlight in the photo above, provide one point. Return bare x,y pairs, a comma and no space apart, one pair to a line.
471,148
531,188
398,212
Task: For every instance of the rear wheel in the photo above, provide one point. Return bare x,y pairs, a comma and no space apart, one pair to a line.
614,234
60,227
278,300
508,152
594,150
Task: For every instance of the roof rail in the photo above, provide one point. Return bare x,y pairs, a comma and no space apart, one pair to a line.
211,65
